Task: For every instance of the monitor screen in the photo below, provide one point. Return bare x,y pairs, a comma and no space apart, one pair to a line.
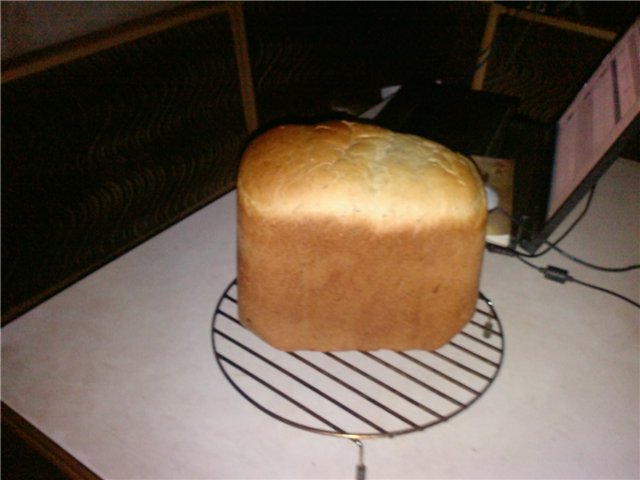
557,163
601,111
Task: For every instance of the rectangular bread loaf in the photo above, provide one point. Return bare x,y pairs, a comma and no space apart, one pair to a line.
353,237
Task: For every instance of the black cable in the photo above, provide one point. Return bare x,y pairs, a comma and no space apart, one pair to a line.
561,276
554,245
596,267
526,262
610,292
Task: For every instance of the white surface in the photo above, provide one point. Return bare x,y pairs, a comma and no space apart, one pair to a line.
119,370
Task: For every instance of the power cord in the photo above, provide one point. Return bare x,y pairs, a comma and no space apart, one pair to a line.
560,275
556,274
554,245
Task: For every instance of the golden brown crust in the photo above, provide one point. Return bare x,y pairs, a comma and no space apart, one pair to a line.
351,237
359,170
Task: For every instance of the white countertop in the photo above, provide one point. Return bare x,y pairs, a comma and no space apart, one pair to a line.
119,370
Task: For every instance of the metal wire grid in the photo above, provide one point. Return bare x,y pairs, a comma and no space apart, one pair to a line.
359,395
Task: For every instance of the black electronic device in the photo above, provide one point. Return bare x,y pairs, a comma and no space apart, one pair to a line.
468,121
556,163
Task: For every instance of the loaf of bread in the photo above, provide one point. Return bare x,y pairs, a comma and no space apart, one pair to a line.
353,237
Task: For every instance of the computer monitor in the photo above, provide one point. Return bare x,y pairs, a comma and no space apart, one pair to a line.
554,164
569,156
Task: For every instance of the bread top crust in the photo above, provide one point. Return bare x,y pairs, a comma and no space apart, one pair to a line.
358,171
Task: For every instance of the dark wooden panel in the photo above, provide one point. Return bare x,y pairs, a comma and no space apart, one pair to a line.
28,454
541,65
100,153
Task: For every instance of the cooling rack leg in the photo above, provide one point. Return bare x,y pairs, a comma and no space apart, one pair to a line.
361,470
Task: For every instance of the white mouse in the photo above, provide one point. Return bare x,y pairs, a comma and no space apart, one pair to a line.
492,197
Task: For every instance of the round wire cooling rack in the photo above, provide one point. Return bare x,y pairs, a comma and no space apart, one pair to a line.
359,395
